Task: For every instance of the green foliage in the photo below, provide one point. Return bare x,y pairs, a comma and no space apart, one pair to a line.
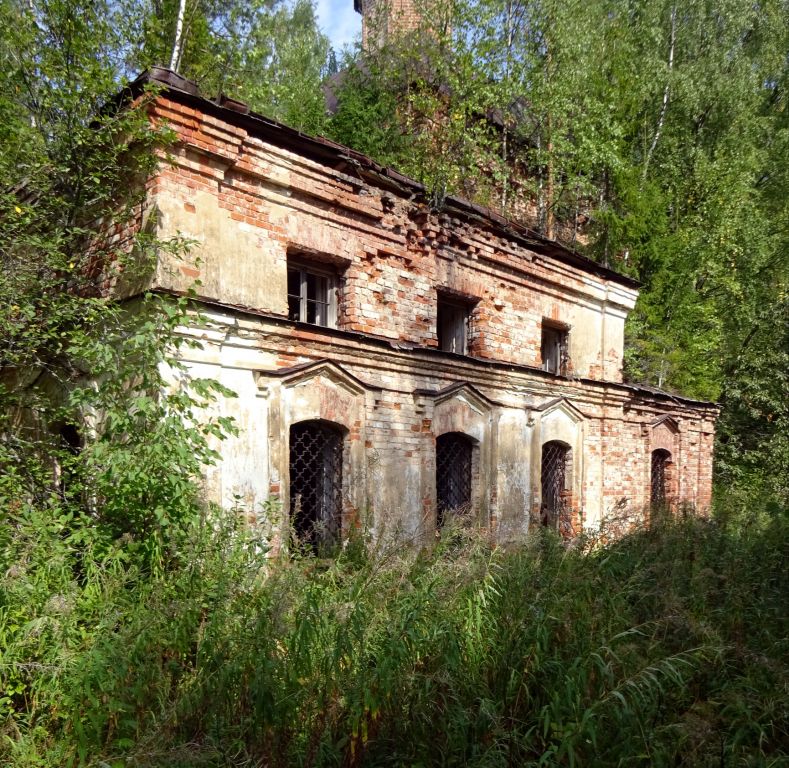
93,426
416,104
753,452
138,627
284,80
366,117
667,647
267,52
652,135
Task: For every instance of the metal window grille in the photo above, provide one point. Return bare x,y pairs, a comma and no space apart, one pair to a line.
453,475
660,459
555,460
315,484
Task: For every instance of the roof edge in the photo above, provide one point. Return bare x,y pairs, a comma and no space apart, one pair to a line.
324,150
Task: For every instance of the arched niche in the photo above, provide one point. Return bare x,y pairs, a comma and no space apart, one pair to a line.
316,463
559,423
463,411
661,476
320,393
556,487
662,457
457,476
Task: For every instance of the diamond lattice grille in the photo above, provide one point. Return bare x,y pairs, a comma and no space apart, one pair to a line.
315,483
453,475
660,459
554,482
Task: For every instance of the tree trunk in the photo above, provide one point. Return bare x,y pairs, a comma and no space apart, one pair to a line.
175,59
666,91
549,186
549,166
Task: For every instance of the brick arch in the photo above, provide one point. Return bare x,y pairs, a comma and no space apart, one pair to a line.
322,393
464,411
660,458
663,447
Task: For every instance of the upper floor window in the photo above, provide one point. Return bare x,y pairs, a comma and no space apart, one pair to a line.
312,294
452,323
554,349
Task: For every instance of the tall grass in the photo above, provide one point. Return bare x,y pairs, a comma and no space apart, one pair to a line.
668,647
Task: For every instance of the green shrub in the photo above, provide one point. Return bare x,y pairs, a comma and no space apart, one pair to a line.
667,647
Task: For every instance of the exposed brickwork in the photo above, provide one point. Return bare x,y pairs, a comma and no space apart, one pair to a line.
252,202
384,19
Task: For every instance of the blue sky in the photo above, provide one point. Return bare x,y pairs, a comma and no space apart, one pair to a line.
339,21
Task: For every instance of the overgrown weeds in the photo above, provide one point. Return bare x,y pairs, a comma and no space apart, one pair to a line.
667,647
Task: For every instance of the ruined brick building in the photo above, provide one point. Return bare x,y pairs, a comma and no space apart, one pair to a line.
397,364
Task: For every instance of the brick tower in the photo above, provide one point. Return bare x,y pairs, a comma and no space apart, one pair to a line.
382,19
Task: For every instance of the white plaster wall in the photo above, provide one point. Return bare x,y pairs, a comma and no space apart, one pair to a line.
613,342
513,474
245,456
586,334
395,499
229,257
239,478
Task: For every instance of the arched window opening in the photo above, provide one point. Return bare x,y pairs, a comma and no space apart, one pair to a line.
555,510
661,460
453,475
316,459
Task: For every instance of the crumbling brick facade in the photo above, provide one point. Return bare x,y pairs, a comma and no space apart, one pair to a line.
332,295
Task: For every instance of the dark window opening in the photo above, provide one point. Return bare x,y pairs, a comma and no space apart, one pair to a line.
316,485
453,476
452,320
67,476
71,439
661,460
554,350
555,510
312,294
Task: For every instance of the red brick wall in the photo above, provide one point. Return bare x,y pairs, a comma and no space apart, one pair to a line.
395,253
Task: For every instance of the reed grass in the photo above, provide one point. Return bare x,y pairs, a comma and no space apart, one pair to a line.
666,647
